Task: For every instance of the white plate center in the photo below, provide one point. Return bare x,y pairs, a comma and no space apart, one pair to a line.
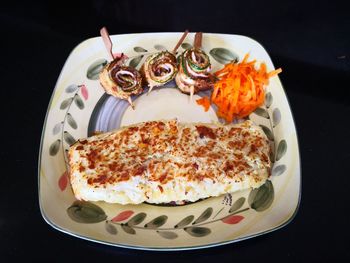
165,104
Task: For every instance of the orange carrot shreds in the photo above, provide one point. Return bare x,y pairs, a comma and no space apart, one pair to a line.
205,102
240,89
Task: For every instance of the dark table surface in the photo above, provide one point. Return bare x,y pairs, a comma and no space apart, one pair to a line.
310,40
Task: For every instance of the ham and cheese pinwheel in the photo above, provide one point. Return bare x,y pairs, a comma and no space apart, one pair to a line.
161,68
194,68
117,79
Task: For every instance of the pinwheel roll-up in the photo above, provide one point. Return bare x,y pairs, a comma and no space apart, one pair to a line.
194,67
159,69
121,81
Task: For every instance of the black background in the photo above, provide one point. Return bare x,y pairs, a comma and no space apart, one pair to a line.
310,40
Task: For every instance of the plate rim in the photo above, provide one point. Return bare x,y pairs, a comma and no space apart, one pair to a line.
286,222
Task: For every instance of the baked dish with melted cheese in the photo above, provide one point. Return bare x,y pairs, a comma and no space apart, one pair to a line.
169,162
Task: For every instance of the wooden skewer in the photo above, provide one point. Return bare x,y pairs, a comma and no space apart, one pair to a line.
149,90
180,41
191,93
198,40
107,41
131,103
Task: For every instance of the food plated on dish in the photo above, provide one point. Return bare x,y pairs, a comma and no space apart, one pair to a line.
171,162
217,208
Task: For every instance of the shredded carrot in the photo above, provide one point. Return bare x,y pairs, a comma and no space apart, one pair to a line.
205,102
240,89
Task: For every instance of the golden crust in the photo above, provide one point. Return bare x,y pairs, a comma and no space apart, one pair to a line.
160,153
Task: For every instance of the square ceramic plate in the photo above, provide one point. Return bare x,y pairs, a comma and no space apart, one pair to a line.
79,107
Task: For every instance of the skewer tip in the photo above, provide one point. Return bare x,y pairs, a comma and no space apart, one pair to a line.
149,90
107,41
131,103
191,93
180,41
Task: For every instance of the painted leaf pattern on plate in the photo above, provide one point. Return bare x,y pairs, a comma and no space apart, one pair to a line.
268,99
64,104
204,216
167,234
197,231
223,55
68,138
281,149
71,121
86,212
128,229
184,222
261,198
71,88
54,147
139,49
157,222
267,132
278,170
137,219
186,45
234,219
262,113
57,128
122,216
237,204
160,47
276,117
79,102
95,69
111,228
135,61
63,181
84,92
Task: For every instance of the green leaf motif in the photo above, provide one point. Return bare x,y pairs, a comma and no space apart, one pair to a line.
135,61
160,47
68,138
186,45
278,170
71,121
79,102
261,198
167,234
128,229
64,105
184,222
110,228
268,100
237,205
204,216
157,222
85,212
197,231
54,147
281,149
267,132
276,117
139,49
262,113
95,69
71,88
223,55
137,219
57,128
